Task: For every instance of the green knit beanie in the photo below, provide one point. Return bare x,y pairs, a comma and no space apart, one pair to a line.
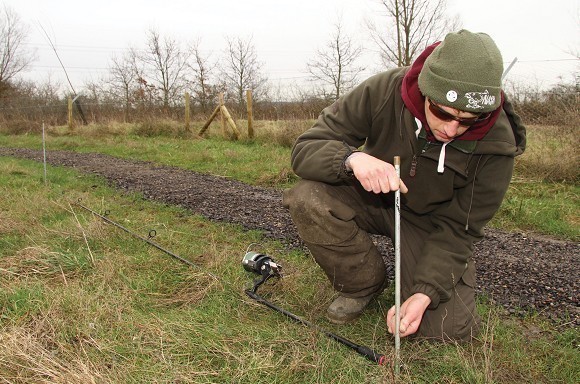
464,72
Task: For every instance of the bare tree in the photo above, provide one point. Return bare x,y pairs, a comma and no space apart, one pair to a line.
14,59
411,26
204,92
242,71
165,66
123,80
335,64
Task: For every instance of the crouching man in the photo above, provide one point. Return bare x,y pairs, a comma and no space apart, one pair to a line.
457,135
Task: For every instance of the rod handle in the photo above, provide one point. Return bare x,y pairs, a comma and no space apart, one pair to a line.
371,355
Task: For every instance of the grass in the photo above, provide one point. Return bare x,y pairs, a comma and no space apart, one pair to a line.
83,302
259,161
543,197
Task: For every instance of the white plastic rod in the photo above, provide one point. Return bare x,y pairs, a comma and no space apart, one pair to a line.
397,164
44,152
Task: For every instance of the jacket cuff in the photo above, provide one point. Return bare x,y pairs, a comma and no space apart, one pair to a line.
430,291
344,172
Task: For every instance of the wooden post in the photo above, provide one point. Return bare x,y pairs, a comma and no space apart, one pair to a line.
70,119
228,117
187,119
221,101
208,122
250,114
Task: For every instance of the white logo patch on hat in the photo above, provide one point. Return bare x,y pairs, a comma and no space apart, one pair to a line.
451,96
477,100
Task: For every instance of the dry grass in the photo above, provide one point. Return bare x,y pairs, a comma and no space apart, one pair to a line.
10,225
31,261
284,177
19,127
166,128
551,155
192,290
35,355
280,132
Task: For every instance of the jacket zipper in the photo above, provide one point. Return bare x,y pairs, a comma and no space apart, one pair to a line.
413,166
415,160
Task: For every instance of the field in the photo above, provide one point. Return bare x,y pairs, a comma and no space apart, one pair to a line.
85,302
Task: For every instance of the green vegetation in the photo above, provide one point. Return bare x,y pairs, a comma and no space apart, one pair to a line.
82,301
543,198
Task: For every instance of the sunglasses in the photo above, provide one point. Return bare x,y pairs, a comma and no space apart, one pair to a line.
442,114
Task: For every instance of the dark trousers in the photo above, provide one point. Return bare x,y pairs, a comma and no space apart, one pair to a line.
334,221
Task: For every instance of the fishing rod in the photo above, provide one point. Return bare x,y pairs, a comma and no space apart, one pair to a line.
152,234
267,268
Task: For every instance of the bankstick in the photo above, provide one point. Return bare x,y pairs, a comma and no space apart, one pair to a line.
397,164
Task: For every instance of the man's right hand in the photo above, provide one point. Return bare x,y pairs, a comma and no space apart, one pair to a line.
374,174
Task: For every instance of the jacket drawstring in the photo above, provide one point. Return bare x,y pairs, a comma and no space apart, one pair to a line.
472,191
419,126
441,164
401,122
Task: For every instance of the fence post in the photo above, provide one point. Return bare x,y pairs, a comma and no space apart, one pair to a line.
70,119
250,114
187,118
208,122
230,121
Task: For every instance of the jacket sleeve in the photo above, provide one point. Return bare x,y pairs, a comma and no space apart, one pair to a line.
320,152
459,223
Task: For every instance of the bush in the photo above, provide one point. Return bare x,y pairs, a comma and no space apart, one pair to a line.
20,127
165,128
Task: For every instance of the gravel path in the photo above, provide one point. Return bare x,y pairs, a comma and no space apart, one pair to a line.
520,273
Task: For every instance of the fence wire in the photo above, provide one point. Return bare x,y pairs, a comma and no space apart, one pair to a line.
557,107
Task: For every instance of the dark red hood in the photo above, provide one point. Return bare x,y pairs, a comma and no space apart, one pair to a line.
415,101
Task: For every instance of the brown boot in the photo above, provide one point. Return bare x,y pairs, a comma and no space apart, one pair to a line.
345,309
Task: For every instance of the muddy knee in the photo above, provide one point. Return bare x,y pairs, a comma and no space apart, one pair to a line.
318,214
326,225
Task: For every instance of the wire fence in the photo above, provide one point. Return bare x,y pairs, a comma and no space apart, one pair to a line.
560,107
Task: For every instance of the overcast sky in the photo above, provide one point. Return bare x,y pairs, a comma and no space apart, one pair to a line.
286,34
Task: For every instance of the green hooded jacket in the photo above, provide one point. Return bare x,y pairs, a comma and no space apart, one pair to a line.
458,203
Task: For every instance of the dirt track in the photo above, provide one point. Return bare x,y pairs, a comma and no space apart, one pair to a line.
519,272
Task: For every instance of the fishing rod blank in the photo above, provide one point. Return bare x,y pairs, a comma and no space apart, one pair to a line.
264,266
360,349
147,240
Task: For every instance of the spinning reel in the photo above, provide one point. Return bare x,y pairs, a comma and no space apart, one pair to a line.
262,265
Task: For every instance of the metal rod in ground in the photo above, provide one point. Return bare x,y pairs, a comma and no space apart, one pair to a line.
397,164
44,152
360,349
